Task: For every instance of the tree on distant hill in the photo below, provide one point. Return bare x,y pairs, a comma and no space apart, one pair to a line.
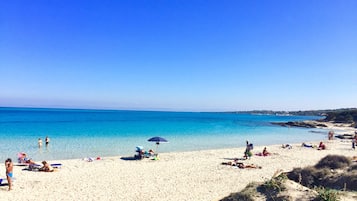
343,117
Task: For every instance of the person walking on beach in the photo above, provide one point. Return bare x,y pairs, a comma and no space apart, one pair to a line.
9,167
47,140
39,142
247,152
354,142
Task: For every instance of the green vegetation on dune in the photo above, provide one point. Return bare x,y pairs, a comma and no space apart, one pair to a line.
332,178
333,172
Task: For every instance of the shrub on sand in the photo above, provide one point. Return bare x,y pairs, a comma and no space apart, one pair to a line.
348,181
322,174
353,167
249,193
275,184
326,194
333,162
323,177
305,177
238,197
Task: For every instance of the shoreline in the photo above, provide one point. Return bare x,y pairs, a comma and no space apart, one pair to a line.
192,175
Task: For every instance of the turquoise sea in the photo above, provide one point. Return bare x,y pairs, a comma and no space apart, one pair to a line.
77,133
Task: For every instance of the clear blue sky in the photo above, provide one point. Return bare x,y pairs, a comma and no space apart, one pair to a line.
186,55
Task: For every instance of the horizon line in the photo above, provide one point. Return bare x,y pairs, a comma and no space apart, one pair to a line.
164,110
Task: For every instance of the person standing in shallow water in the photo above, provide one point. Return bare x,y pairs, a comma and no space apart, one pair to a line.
47,140
330,135
39,143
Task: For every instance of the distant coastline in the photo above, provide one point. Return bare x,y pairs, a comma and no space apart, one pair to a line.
340,116
321,113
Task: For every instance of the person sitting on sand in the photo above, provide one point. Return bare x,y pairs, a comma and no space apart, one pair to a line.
32,165
322,146
151,152
148,154
22,157
46,167
265,152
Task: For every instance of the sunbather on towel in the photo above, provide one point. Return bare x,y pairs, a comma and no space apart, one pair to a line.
288,146
242,166
307,145
231,163
46,167
264,153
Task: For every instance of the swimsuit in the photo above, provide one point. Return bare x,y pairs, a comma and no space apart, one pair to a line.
9,174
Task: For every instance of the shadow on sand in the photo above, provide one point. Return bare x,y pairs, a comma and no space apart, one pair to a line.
129,158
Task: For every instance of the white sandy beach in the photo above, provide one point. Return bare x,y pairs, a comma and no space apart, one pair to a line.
196,175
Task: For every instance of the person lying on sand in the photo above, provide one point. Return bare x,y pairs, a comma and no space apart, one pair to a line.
46,167
240,164
286,146
231,163
307,145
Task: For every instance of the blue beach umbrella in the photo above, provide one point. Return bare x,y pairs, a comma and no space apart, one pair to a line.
158,140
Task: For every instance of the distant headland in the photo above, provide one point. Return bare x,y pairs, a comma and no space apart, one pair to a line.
332,119
338,116
333,113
